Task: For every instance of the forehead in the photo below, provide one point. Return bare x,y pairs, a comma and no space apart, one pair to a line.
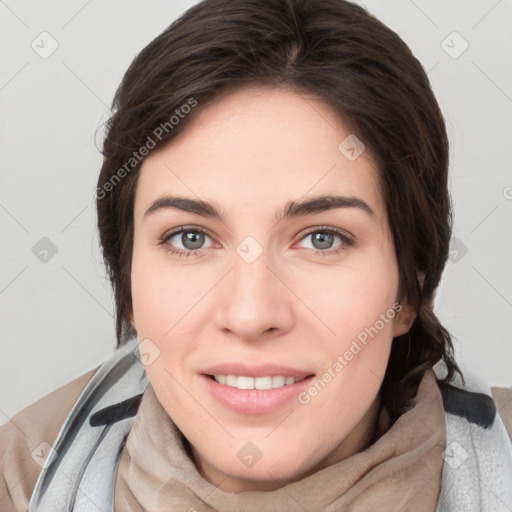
260,147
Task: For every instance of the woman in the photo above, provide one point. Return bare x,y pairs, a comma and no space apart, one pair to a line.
274,215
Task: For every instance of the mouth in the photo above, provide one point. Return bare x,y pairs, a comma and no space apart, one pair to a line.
261,383
255,390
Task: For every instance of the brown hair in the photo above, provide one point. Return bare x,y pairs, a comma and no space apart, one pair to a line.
363,70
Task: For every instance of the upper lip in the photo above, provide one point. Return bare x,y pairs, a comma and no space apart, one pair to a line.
260,370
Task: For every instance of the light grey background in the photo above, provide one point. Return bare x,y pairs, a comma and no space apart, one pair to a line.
56,316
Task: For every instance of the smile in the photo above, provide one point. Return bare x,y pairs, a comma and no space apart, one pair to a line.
261,383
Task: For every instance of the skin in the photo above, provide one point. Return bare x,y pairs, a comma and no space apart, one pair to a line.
251,152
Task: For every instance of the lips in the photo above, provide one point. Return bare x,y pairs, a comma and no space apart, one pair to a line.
222,383
262,370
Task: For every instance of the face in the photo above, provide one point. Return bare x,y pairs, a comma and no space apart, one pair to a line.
269,311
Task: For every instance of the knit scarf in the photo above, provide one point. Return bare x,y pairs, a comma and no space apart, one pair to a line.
400,471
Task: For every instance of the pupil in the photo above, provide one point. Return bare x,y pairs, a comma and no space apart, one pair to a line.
192,239
322,240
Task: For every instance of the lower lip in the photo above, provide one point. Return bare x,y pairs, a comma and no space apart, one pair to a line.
254,401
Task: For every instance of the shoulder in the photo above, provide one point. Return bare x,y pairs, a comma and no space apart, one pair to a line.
479,430
477,407
25,442
503,400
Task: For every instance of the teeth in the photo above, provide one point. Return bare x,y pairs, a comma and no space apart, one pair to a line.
231,381
278,381
262,383
245,383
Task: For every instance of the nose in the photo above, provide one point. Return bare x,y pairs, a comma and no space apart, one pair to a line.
253,303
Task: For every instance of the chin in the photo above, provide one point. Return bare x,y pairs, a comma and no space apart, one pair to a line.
266,473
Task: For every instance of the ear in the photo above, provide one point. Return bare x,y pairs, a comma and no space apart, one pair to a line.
404,319
407,314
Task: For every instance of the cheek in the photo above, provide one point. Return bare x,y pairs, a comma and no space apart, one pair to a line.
163,301
350,299
161,295
360,312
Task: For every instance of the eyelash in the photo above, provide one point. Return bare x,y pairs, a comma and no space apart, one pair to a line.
346,240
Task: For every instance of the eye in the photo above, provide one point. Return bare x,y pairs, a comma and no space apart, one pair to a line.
185,241
323,239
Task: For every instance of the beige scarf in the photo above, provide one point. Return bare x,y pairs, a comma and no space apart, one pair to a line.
401,471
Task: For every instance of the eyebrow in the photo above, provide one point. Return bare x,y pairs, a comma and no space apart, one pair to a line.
292,209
